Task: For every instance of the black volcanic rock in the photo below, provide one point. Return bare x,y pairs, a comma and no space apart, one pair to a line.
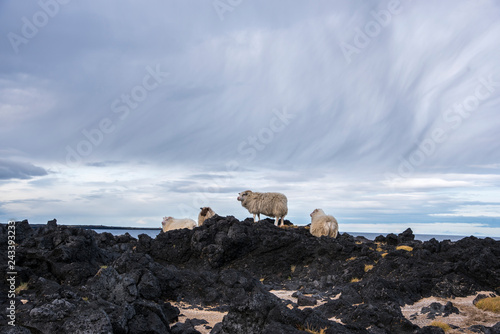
52,224
437,309
406,236
430,330
266,251
188,327
306,301
82,281
23,231
391,239
485,330
265,313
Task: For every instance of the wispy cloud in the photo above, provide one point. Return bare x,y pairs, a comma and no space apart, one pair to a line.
426,183
478,210
158,116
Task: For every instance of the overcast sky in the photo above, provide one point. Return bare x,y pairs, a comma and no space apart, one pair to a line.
384,114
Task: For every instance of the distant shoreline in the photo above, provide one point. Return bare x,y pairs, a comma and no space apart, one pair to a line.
101,227
368,235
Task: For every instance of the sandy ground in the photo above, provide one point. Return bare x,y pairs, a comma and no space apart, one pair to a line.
213,317
469,314
287,295
187,312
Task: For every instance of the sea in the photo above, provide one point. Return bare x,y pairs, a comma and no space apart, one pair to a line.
370,236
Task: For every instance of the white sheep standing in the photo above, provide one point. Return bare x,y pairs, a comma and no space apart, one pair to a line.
206,212
170,223
323,224
269,204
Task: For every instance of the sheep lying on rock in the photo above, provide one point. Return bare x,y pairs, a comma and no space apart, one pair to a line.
206,212
323,224
269,204
170,223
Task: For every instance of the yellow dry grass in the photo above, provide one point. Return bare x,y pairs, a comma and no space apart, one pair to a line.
440,324
368,267
308,329
469,314
406,248
489,304
21,287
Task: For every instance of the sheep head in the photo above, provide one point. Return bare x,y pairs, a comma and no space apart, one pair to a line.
166,219
205,210
317,212
243,195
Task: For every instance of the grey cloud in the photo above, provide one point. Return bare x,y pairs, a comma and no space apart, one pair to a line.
19,170
103,163
226,77
35,201
94,197
230,190
180,186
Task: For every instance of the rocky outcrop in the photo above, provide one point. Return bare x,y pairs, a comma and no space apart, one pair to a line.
437,309
79,281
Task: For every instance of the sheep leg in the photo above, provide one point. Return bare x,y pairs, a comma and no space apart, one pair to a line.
282,221
258,217
276,221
